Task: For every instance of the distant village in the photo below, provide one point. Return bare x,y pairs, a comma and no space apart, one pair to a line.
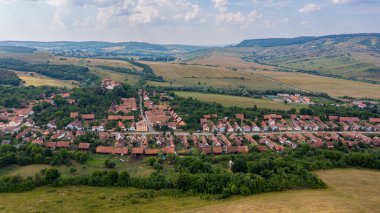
139,123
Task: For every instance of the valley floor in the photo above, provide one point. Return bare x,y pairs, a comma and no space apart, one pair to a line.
350,190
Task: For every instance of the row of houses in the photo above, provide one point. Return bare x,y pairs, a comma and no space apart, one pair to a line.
274,122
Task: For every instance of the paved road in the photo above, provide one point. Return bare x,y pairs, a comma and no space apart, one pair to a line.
150,127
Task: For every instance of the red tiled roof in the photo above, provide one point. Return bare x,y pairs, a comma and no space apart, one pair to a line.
104,150
217,150
348,119
137,150
232,149
63,144
333,118
374,120
88,116
50,144
84,145
168,150
207,150
152,151
243,149
74,114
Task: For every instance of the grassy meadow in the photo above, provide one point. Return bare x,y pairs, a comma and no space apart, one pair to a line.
331,86
349,190
228,100
197,75
35,79
95,162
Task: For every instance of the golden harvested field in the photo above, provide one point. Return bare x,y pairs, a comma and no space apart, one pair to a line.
229,61
331,86
350,190
41,80
198,75
228,100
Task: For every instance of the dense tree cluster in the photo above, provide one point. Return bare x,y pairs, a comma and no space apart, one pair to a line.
9,78
88,100
62,72
13,97
34,154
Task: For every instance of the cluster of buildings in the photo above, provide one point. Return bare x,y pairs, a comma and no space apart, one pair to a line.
274,123
110,84
12,120
161,114
296,98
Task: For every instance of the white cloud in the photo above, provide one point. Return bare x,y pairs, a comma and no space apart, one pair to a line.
226,16
341,1
133,12
284,20
220,5
310,8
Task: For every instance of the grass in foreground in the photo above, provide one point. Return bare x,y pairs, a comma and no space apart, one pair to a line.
350,190
228,100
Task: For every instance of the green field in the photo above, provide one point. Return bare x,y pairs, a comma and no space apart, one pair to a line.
350,190
35,79
95,162
228,100
178,75
331,86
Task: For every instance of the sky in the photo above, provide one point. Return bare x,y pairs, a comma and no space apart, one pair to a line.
201,22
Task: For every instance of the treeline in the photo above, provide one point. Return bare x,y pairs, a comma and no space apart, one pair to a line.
9,78
34,154
244,92
13,97
17,49
201,174
163,58
147,72
313,72
62,72
323,111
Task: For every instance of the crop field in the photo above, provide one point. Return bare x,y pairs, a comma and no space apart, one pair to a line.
197,75
229,60
344,194
228,100
39,80
331,86
116,76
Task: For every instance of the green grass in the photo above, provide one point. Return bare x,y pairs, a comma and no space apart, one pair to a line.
35,79
95,162
350,190
178,75
228,100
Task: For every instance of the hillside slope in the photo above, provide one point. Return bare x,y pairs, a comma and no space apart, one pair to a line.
351,56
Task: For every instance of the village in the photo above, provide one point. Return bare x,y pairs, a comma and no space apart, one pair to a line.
148,125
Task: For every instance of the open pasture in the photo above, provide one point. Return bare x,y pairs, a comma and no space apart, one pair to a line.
35,79
228,100
198,75
331,86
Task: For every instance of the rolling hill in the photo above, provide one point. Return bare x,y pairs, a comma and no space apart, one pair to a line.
349,56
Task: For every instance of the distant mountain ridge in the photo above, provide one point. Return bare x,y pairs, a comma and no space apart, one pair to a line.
100,45
273,42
